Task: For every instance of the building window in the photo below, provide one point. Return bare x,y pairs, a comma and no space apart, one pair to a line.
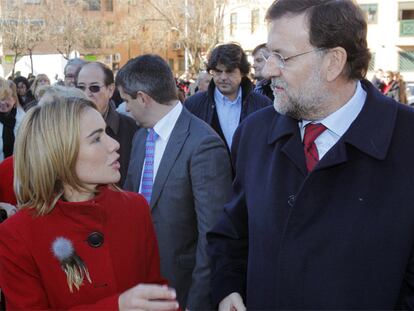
109,5
406,10
92,43
32,1
255,19
10,4
171,63
92,5
233,23
406,17
371,12
181,64
406,61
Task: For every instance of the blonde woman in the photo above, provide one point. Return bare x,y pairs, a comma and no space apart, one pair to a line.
77,241
40,82
10,118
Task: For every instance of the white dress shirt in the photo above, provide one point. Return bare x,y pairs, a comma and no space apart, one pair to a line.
338,122
163,128
228,113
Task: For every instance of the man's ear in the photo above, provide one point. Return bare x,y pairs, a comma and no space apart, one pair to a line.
336,61
111,89
143,98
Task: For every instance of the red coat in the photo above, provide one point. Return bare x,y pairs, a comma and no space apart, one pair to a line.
31,276
6,181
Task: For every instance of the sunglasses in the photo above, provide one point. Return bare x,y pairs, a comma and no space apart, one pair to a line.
92,88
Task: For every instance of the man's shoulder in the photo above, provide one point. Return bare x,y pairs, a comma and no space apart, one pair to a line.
199,126
262,117
258,100
196,99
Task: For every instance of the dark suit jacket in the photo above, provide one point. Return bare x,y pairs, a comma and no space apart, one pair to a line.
121,128
340,237
191,186
202,104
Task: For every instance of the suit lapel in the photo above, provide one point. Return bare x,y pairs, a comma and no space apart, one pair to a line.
137,158
175,143
286,130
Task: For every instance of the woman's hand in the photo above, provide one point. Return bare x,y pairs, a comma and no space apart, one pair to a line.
148,297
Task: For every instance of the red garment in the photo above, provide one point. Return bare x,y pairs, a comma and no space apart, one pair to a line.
6,181
31,276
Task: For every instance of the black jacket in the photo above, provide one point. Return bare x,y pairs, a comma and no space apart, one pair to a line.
202,104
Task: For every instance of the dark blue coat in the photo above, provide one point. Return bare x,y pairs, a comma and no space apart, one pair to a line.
340,237
202,104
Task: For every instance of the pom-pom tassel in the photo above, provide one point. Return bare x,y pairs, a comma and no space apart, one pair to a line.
73,266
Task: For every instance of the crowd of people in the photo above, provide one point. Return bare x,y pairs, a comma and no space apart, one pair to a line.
138,191
391,84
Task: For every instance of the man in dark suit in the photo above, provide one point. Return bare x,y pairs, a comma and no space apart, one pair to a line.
321,215
96,80
183,169
230,97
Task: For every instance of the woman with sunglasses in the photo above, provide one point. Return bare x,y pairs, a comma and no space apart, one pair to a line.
77,241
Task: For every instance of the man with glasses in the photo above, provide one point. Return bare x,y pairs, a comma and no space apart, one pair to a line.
321,215
260,53
230,97
97,82
72,68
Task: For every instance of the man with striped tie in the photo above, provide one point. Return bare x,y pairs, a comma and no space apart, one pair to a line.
182,168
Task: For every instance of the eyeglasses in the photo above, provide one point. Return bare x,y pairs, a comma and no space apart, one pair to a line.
92,88
281,61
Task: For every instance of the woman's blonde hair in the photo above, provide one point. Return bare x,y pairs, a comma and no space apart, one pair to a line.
47,147
13,89
35,84
5,89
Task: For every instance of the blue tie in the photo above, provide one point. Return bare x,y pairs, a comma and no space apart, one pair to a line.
148,172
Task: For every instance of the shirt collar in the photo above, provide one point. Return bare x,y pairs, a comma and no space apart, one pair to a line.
339,121
222,98
166,124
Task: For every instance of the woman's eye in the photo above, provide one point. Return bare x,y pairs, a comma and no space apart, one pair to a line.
97,139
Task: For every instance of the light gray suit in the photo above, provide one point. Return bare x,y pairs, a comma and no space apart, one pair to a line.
191,186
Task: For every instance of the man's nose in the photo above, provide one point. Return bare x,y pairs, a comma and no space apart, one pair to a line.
270,69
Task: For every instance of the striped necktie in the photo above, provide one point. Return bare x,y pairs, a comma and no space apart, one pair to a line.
148,172
312,131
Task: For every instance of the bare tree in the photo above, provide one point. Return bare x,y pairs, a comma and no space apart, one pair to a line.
197,24
71,30
192,25
21,32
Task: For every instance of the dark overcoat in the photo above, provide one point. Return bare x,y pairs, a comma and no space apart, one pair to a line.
340,237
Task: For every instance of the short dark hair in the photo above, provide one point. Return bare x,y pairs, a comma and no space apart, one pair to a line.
150,74
23,80
231,55
258,48
332,23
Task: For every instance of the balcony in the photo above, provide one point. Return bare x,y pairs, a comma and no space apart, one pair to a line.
407,28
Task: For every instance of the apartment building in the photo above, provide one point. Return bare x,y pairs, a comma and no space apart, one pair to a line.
109,49
390,30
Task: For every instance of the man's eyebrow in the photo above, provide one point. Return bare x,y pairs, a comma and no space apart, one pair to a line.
95,132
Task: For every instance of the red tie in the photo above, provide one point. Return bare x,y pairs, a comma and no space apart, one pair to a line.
312,131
